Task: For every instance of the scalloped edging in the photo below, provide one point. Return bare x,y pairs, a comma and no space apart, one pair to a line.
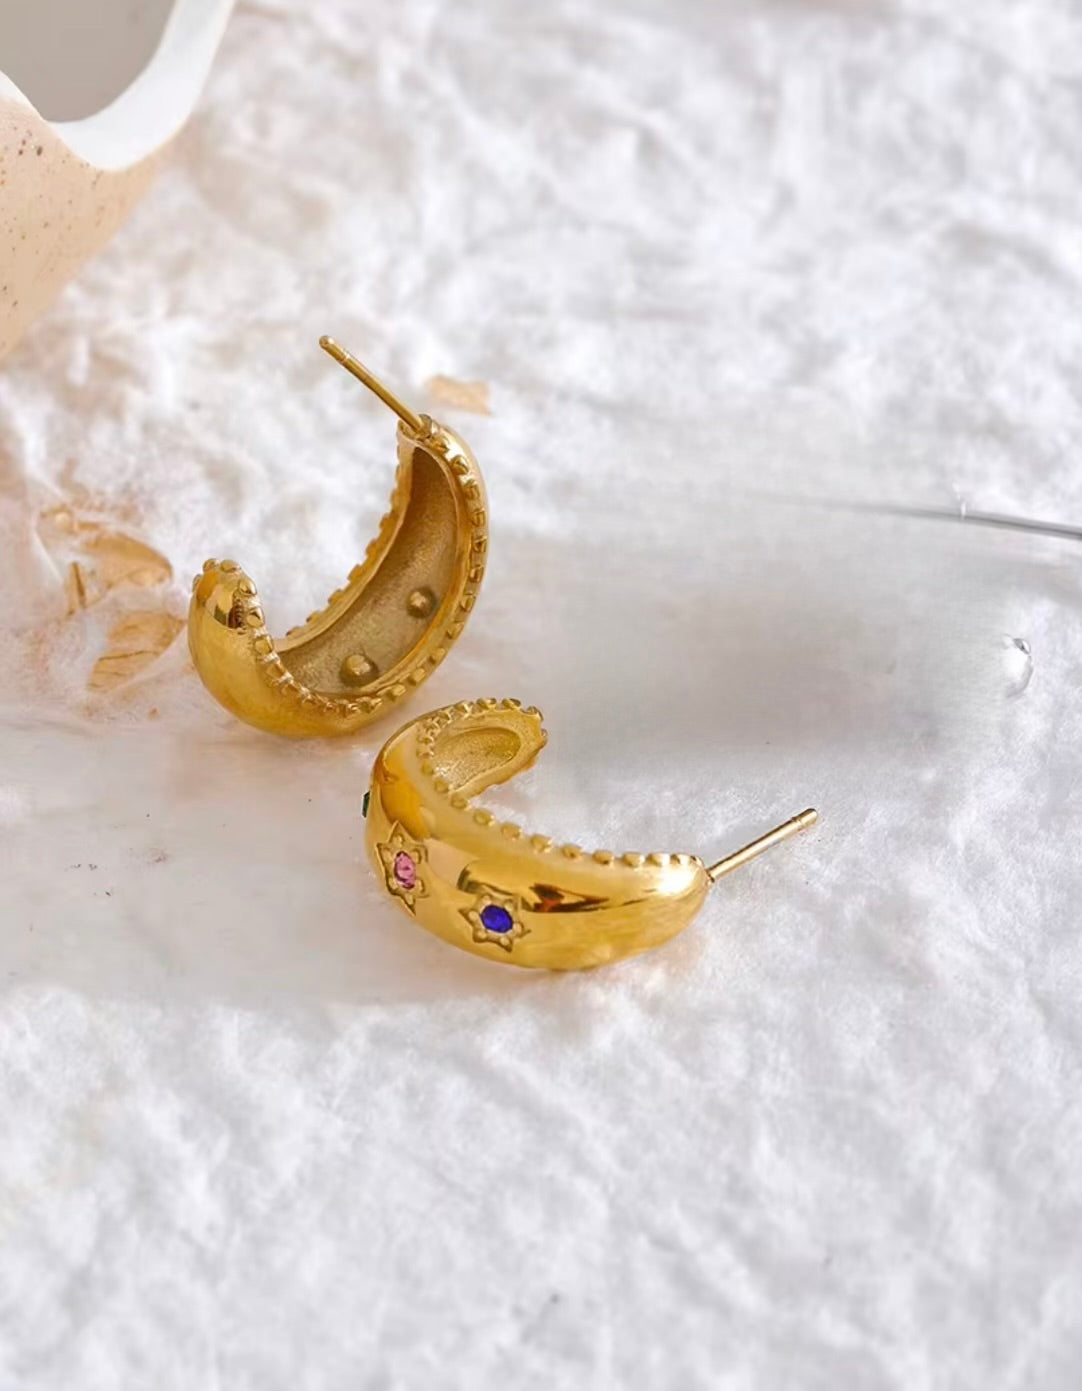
429,728
360,710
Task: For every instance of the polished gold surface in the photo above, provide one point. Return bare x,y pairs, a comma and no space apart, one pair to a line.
382,634
494,889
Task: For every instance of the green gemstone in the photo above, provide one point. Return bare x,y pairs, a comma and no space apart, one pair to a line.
364,804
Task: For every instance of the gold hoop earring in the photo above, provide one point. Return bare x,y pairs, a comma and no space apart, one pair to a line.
380,636
496,891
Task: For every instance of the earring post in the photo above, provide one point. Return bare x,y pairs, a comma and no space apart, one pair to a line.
755,848
373,383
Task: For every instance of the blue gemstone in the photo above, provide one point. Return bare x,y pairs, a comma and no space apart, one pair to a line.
496,919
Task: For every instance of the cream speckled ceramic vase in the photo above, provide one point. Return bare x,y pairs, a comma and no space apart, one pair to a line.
119,81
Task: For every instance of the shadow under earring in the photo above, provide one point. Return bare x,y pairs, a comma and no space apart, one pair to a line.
381,635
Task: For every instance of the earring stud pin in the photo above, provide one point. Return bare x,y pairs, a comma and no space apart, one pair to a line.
357,368
757,847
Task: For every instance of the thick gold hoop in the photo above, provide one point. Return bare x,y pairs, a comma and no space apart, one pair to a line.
380,636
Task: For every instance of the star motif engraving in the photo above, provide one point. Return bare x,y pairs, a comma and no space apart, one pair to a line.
496,917
402,859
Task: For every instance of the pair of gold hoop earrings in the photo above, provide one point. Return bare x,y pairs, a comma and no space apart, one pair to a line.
486,887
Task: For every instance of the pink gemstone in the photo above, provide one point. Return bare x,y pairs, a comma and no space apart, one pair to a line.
405,871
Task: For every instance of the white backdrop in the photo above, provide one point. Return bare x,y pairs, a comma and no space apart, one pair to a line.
258,1132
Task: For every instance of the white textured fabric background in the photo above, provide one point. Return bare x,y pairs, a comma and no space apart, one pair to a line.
258,1132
